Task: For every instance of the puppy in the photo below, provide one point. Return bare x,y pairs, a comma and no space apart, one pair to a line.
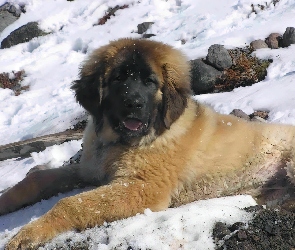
149,145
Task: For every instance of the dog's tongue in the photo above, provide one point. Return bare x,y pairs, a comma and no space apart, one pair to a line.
132,124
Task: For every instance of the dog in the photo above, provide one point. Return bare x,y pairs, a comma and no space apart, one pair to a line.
148,144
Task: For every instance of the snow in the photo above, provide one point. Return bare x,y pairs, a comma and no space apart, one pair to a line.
51,63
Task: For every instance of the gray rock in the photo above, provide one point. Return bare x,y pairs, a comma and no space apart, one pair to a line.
203,76
240,113
219,57
16,11
23,34
273,40
4,6
289,37
220,230
148,35
258,44
6,19
143,27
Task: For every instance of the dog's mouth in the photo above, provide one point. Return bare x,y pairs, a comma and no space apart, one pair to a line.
133,124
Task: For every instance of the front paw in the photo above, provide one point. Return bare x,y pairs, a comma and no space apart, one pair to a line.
29,237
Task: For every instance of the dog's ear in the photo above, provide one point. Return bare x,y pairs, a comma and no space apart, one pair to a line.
175,94
88,89
87,93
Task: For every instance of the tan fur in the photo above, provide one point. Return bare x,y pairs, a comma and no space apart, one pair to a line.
202,155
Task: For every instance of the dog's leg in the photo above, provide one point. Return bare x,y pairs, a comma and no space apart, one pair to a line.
38,185
111,202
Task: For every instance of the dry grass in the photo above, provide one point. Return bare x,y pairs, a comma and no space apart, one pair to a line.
12,81
111,12
260,7
246,71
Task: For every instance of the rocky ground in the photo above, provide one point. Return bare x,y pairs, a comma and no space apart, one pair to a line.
269,229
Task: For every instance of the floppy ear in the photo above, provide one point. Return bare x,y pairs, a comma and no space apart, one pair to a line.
175,94
88,94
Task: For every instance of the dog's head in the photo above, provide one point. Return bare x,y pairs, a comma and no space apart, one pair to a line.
139,86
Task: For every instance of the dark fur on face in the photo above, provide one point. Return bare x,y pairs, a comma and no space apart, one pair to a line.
138,85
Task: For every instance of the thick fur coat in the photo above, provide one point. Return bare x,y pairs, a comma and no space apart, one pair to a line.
149,145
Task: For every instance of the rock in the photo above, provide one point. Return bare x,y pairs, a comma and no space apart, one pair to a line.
237,226
240,113
9,14
143,27
6,19
289,37
5,6
23,34
258,44
273,41
203,76
242,235
219,57
259,113
15,11
147,35
220,230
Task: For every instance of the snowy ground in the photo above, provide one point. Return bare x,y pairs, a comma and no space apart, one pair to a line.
51,63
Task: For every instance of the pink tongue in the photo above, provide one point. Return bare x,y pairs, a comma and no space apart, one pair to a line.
132,124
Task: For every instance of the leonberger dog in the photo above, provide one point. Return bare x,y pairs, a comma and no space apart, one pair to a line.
148,144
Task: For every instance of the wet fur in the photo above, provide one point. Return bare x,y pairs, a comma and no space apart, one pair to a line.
189,152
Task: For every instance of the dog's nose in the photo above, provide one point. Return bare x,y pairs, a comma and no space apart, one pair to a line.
133,103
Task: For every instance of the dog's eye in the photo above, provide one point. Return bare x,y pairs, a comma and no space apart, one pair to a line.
149,81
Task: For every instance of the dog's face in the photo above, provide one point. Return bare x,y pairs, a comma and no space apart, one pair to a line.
137,87
129,97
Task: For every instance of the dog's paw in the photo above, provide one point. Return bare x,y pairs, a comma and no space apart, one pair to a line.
29,237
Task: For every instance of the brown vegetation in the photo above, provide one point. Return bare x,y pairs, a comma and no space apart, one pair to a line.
245,71
111,12
13,83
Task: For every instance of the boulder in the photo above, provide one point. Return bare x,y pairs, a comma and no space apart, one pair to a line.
219,57
148,35
258,44
273,41
143,27
240,113
6,19
9,14
203,76
23,34
289,37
